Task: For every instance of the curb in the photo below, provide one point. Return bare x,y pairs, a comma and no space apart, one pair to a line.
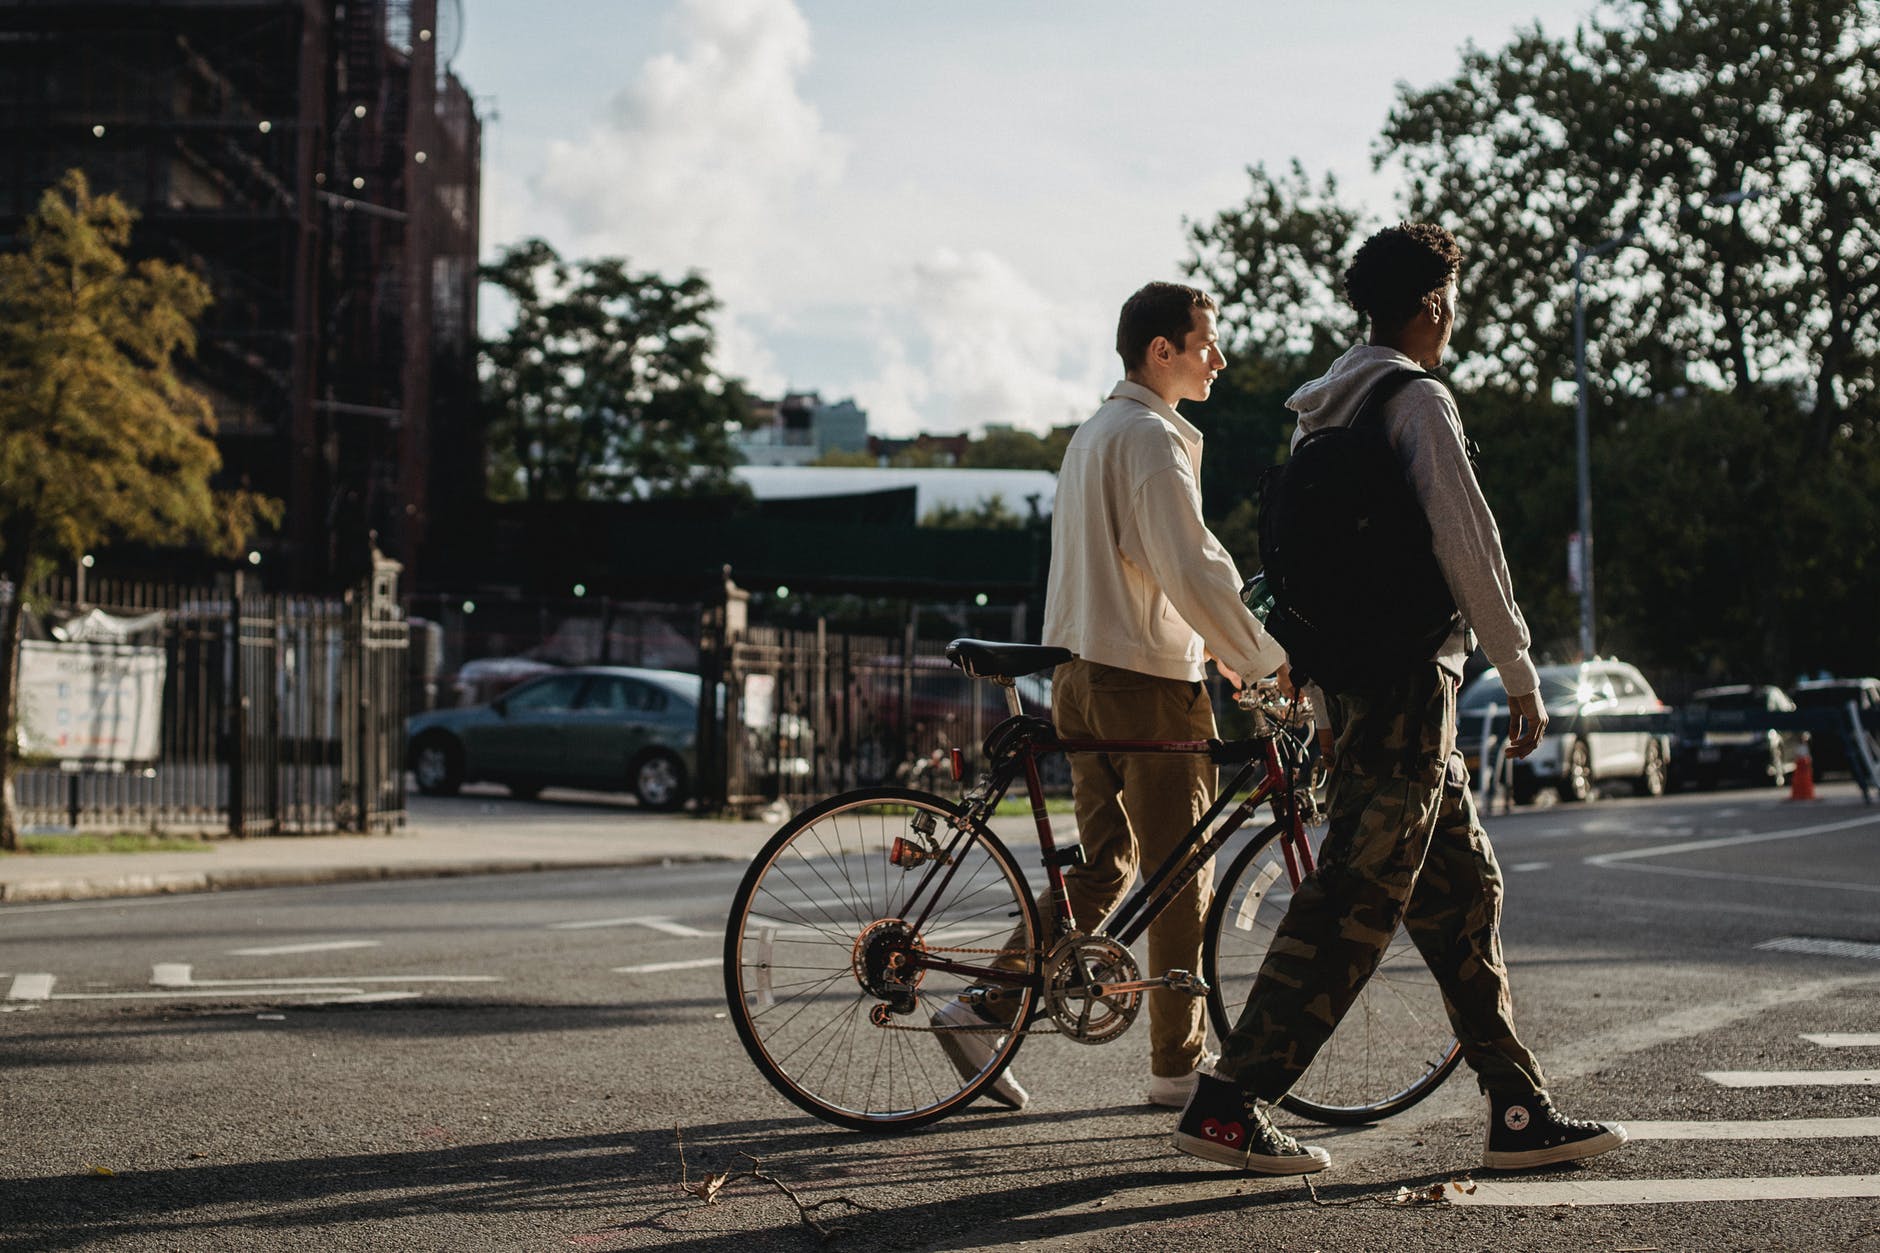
183,883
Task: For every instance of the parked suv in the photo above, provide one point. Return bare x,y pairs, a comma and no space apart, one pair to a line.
1834,695
1571,760
1718,737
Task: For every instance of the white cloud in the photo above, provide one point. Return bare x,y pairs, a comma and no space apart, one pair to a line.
988,347
702,157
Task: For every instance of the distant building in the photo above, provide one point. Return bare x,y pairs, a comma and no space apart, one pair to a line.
318,165
800,428
940,451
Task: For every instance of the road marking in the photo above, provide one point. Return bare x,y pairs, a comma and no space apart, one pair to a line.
180,975
30,988
367,998
1793,1078
1823,948
1668,1191
653,968
1529,865
1754,837
326,946
1845,1039
1773,1129
197,994
666,925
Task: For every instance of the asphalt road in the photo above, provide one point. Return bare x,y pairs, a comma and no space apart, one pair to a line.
508,1063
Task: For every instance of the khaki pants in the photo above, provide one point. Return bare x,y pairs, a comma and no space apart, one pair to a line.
1132,808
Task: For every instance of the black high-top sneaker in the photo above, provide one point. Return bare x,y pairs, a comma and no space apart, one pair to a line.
1526,1131
1223,1124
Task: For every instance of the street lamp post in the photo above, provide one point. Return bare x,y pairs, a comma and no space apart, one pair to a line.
1585,554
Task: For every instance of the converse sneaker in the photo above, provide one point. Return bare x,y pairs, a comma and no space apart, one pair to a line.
1174,1092
1526,1131
1223,1124
962,1033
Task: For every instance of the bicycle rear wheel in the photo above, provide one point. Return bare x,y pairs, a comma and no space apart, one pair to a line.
1394,1046
822,968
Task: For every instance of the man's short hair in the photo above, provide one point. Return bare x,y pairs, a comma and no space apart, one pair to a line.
1158,309
1396,268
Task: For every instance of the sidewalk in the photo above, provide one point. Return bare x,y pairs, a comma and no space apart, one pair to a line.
464,836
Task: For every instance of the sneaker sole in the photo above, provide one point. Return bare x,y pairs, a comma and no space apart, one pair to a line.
1006,1090
1577,1150
1208,1150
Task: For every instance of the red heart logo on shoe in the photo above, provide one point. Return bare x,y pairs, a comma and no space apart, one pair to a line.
1230,1133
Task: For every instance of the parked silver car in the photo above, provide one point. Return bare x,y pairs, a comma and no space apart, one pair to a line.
1573,760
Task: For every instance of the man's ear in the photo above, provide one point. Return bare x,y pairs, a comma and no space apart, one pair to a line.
1162,348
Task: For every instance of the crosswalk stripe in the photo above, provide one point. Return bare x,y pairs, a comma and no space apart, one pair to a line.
1845,1039
1793,1078
666,925
1666,1191
1770,1129
1821,948
30,988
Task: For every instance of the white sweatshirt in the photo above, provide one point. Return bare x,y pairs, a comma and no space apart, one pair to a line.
1137,580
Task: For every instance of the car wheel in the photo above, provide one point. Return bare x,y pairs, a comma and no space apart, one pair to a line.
1576,783
437,764
1524,787
523,791
1652,781
659,780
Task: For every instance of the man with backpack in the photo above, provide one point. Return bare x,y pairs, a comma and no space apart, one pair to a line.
1404,844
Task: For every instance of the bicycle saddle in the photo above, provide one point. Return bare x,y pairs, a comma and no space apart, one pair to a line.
983,659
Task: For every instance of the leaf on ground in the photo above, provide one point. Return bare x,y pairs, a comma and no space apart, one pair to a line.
1432,1194
104,1172
707,1189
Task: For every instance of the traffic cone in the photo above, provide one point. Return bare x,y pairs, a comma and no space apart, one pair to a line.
1802,778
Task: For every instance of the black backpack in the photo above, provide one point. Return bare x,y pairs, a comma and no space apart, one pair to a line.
1358,598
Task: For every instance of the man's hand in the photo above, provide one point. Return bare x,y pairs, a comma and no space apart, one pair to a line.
1527,722
1284,675
1227,672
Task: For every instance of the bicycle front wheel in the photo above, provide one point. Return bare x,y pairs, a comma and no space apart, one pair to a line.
826,956
1394,1046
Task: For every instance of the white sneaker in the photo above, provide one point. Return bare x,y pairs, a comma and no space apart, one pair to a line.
971,1050
1174,1093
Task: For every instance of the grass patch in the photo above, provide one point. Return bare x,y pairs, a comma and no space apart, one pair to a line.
1020,806
113,842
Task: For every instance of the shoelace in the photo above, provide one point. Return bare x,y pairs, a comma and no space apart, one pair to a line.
1268,1138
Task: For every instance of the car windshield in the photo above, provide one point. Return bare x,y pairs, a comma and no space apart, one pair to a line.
1827,697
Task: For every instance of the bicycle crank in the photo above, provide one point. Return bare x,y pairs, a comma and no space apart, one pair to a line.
1093,989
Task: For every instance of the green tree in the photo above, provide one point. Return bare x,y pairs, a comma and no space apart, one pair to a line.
857,458
990,514
603,388
1006,448
100,437
1653,117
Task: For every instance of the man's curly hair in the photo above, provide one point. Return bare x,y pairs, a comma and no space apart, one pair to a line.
1396,268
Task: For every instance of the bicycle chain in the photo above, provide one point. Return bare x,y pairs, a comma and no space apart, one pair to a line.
989,1028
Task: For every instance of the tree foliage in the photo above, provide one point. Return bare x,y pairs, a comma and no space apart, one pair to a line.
100,437
1006,448
603,388
1652,117
990,514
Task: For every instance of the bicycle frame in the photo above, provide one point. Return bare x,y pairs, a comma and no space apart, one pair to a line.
1130,919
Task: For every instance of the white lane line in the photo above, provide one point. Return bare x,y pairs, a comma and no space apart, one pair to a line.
1794,1078
1772,1129
1668,1191
666,925
653,968
1529,865
197,994
1845,1039
367,998
30,988
326,946
1821,948
178,975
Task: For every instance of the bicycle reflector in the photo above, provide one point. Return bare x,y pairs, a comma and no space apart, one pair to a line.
959,766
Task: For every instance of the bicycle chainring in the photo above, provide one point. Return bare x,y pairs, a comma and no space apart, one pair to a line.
1074,966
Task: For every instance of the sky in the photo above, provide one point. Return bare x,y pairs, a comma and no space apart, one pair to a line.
935,209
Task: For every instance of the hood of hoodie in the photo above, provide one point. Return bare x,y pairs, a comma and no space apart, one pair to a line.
1333,398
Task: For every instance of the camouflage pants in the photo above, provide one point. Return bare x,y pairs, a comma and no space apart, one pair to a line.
1404,846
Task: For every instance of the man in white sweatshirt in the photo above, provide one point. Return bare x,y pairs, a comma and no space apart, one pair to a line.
1404,845
1142,592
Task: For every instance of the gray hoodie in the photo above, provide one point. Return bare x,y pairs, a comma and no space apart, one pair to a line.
1424,427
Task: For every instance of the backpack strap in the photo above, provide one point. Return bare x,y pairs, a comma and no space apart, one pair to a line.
1371,412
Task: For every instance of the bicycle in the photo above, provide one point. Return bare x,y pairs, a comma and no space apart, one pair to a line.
872,910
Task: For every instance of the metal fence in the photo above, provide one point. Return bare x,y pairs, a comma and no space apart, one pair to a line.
263,713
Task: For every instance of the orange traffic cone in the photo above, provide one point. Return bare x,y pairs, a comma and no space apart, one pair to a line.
1802,778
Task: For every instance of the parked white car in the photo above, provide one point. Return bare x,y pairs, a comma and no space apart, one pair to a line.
1572,760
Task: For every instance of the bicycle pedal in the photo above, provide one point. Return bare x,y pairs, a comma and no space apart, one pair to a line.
1186,982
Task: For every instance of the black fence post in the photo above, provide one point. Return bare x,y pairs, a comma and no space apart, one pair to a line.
237,749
